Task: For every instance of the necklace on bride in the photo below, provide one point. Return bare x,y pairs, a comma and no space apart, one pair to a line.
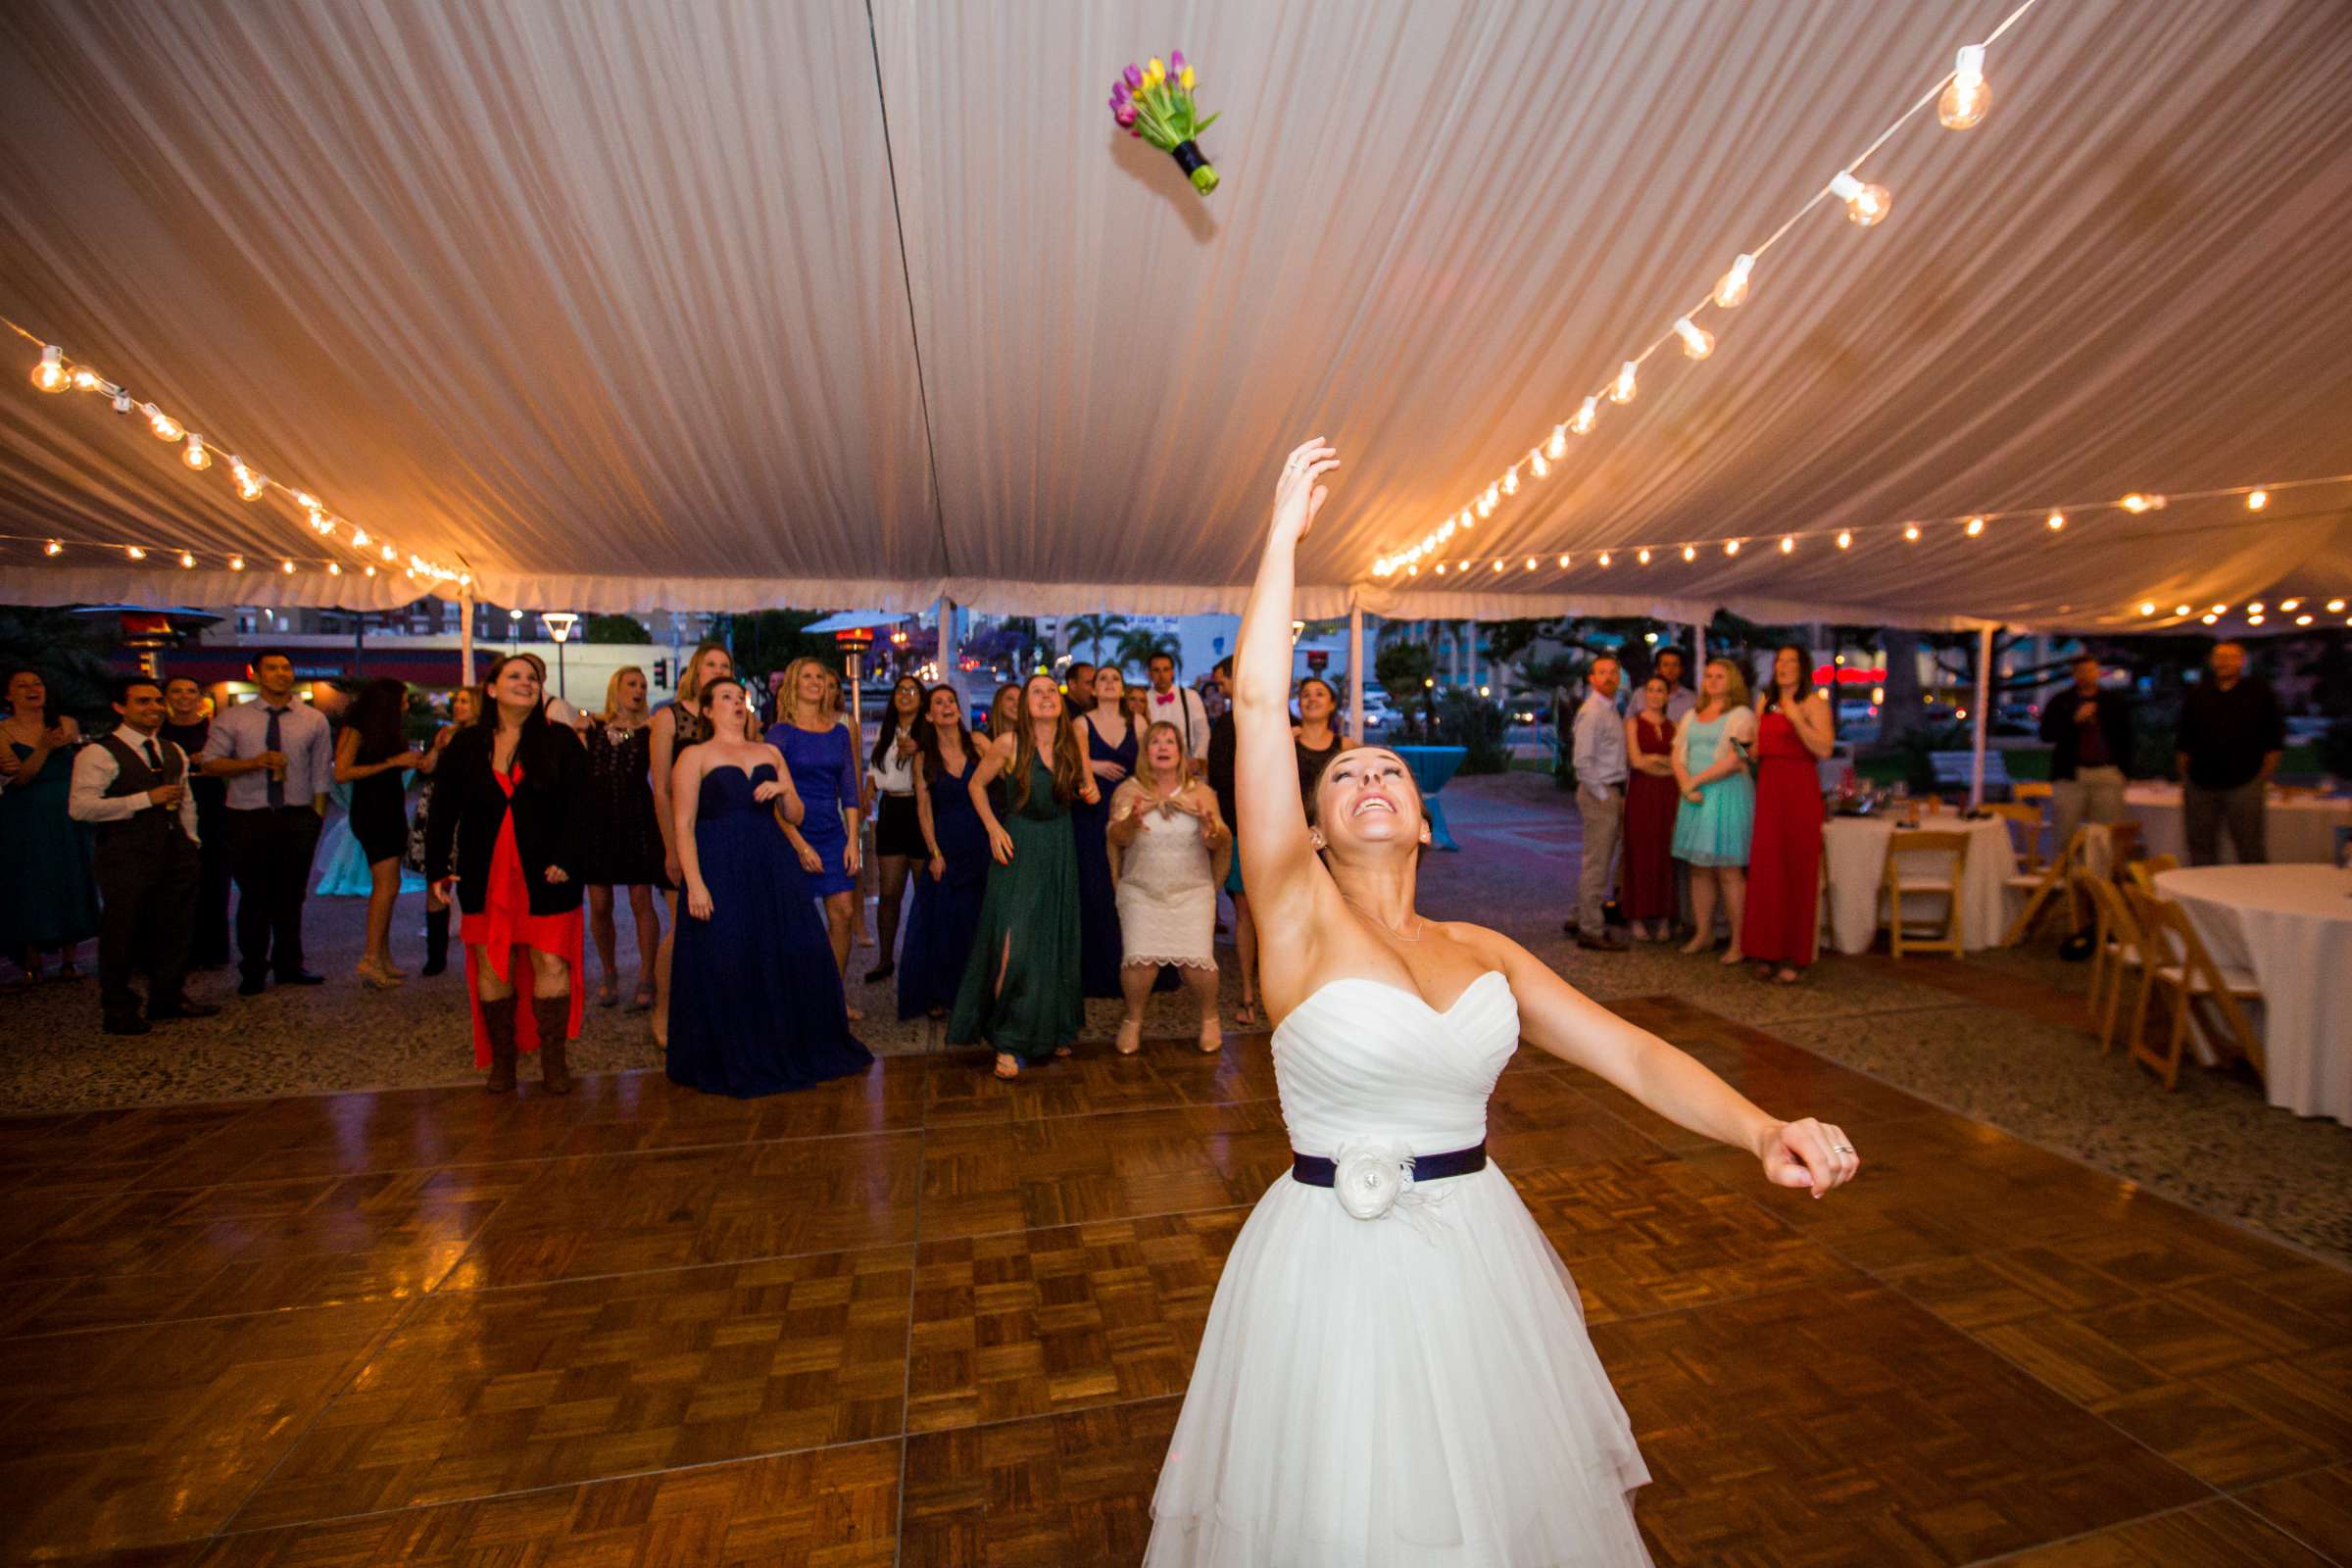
1420,924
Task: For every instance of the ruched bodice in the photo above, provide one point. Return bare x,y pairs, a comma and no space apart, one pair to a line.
1364,1058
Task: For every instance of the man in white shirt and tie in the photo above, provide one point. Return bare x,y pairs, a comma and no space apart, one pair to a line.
279,761
1600,775
1180,705
133,787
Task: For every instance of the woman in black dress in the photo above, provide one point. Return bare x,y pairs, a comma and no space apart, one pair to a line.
464,707
371,755
625,846
947,889
890,800
1109,738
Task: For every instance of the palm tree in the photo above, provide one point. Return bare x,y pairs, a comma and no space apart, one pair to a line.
1092,631
1139,644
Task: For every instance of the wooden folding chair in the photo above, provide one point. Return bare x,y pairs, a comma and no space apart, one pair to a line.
2118,952
1894,882
2048,888
2177,962
2143,873
2032,790
2028,843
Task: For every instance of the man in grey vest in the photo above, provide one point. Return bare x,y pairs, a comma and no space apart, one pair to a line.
131,787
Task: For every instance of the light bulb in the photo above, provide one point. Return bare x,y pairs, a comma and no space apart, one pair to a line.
1588,414
1490,499
1445,531
1976,526
2336,607
1604,566
2254,609
2147,607
1690,551
1442,573
1499,565
2257,500
2208,619
1534,460
1866,204
2136,503
2302,620
358,538
248,484
1564,568
1643,555
87,380
1621,390
2291,604
1730,546
195,457
1510,482
1465,520
286,567
1787,544
1409,571
333,570
2179,610
1846,539
166,427
134,552
2221,609
1485,506
2056,520
1697,343
2254,621
237,564
187,559
1531,562
1966,97
50,375
1557,447
57,546
1911,532
389,554
370,570
1732,287
309,503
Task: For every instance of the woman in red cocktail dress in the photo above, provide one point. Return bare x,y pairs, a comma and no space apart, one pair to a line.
1794,733
1650,801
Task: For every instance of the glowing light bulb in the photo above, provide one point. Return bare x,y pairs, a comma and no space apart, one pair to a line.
2254,621
310,504
2302,620
1557,446
370,570
1911,532
1866,204
1465,520
134,552
1846,539
1485,506
87,380
2221,609
2254,609
2336,607
57,546
358,538
1442,573
286,567
2056,520
1510,482
236,562
1531,562
166,427
50,375
390,554
1974,526
1621,390
1534,460
1499,565
1966,97
1690,551
2256,500
2147,607
1732,287
333,570
1564,568
1604,566
1787,544
1490,498
2290,605
2137,502
2208,619
2179,610
1730,546
1588,414
194,456
1643,555
1445,531
1409,571
1697,343
248,484
187,558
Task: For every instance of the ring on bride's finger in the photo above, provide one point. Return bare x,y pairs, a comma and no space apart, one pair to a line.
1842,1148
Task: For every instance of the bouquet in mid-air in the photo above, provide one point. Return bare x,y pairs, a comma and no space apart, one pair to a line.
1155,101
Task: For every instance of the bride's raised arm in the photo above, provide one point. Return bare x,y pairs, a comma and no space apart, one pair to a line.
1277,859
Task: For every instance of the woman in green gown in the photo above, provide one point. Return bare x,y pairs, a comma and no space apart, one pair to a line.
1020,991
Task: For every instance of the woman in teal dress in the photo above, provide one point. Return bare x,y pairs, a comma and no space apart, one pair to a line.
49,897
1718,814
1020,991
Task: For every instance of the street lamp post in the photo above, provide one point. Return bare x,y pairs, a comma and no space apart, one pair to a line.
560,623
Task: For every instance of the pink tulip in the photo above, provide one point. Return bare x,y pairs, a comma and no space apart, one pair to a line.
1124,113
1135,77
1176,63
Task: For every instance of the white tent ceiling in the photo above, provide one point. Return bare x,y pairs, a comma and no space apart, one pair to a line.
724,303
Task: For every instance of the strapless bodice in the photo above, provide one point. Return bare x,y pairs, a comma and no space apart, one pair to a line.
728,789
1362,1059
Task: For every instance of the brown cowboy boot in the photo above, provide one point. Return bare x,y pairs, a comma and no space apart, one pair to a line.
498,1023
552,1015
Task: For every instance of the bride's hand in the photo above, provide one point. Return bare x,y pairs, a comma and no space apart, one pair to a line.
1809,1154
1298,497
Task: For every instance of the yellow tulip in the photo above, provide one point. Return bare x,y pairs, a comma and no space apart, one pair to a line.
1186,79
1153,71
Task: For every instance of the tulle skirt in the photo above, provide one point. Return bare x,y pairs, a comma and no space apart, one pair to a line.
1417,1391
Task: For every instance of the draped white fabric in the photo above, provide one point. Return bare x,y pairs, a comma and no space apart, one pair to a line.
609,300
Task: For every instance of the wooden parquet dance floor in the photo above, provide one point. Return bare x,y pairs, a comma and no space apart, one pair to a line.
924,1318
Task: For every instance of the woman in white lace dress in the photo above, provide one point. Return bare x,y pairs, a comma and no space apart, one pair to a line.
1396,1372
1168,849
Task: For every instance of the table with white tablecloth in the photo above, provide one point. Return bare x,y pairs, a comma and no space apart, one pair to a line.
1853,854
2291,925
2296,830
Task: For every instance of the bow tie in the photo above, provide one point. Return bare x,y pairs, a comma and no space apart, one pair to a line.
1163,698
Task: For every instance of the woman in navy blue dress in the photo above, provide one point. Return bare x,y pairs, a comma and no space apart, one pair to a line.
822,753
755,999
1110,757
948,887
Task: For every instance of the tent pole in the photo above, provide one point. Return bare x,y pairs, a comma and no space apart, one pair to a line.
1698,654
466,633
1355,670
1976,774
942,616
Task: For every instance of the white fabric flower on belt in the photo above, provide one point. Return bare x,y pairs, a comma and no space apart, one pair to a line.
1371,1178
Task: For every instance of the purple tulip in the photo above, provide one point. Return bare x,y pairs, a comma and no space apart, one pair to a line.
1118,90
1135,77
1176,63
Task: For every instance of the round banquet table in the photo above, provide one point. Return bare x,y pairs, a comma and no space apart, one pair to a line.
1853,853
2291,925
2299,830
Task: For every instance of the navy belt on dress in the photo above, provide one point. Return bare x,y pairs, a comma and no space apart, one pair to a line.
1315,1171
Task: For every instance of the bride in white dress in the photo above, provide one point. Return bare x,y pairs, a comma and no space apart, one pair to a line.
1396,1372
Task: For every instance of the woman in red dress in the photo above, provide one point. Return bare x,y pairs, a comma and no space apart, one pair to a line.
1794,733
518,791
1650,800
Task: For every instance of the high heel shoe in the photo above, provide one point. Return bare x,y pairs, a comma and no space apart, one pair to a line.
1131,1037
375,977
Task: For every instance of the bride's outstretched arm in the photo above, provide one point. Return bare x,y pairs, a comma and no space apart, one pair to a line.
1563,1020
1271,818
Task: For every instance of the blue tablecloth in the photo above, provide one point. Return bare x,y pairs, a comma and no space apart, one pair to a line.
1432,767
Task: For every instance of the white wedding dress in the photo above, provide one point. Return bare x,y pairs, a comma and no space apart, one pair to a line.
1411,1390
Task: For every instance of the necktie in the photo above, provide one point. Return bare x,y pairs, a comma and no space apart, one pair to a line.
155,759
277,785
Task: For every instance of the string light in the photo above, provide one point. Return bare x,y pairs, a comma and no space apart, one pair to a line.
2256,500
1866,204
1846,539
166,427
1531,562
1621,390
1973,526
2147,607
55,547
1563,563
121,401
1643,557
236,562
2055,521
187,559
134,552
1911,532
1732,287
250,485
50,375
2302,620
87,380
2136,503
1690,551
1534,462
1557,446
194,455
1787,544
2290,605
1730,546
1510,482
1697,344
333,569
1965,98
1588,414
2209,618
2336,607
1604,560
286,567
